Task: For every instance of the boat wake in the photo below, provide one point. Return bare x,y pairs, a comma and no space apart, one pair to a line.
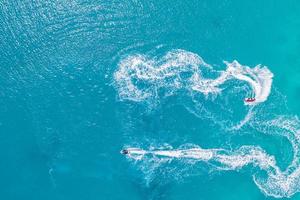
141,79
278,183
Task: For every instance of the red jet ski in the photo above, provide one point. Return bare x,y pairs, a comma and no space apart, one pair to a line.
249,100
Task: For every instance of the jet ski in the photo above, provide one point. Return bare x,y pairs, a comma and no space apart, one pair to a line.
135,153
124,151
249,100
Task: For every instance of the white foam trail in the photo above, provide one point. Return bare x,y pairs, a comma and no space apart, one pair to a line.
226,159
139,77
195,153
278,184
244,121
260,79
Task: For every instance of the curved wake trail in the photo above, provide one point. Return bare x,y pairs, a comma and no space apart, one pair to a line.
260,79
140,77
278,183
268,176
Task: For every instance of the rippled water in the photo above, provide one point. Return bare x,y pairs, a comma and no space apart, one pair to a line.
64,120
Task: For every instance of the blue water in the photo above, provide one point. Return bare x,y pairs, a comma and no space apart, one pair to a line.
63,120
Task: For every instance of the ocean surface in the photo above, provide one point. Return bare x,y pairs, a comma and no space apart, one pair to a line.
80,80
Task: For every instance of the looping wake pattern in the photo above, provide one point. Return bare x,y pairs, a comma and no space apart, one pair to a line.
141,78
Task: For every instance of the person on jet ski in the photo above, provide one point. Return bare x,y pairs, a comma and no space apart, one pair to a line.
125,152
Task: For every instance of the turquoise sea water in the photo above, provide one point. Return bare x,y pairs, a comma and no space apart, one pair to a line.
64,118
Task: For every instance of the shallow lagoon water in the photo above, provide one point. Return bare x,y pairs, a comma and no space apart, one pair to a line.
63,122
